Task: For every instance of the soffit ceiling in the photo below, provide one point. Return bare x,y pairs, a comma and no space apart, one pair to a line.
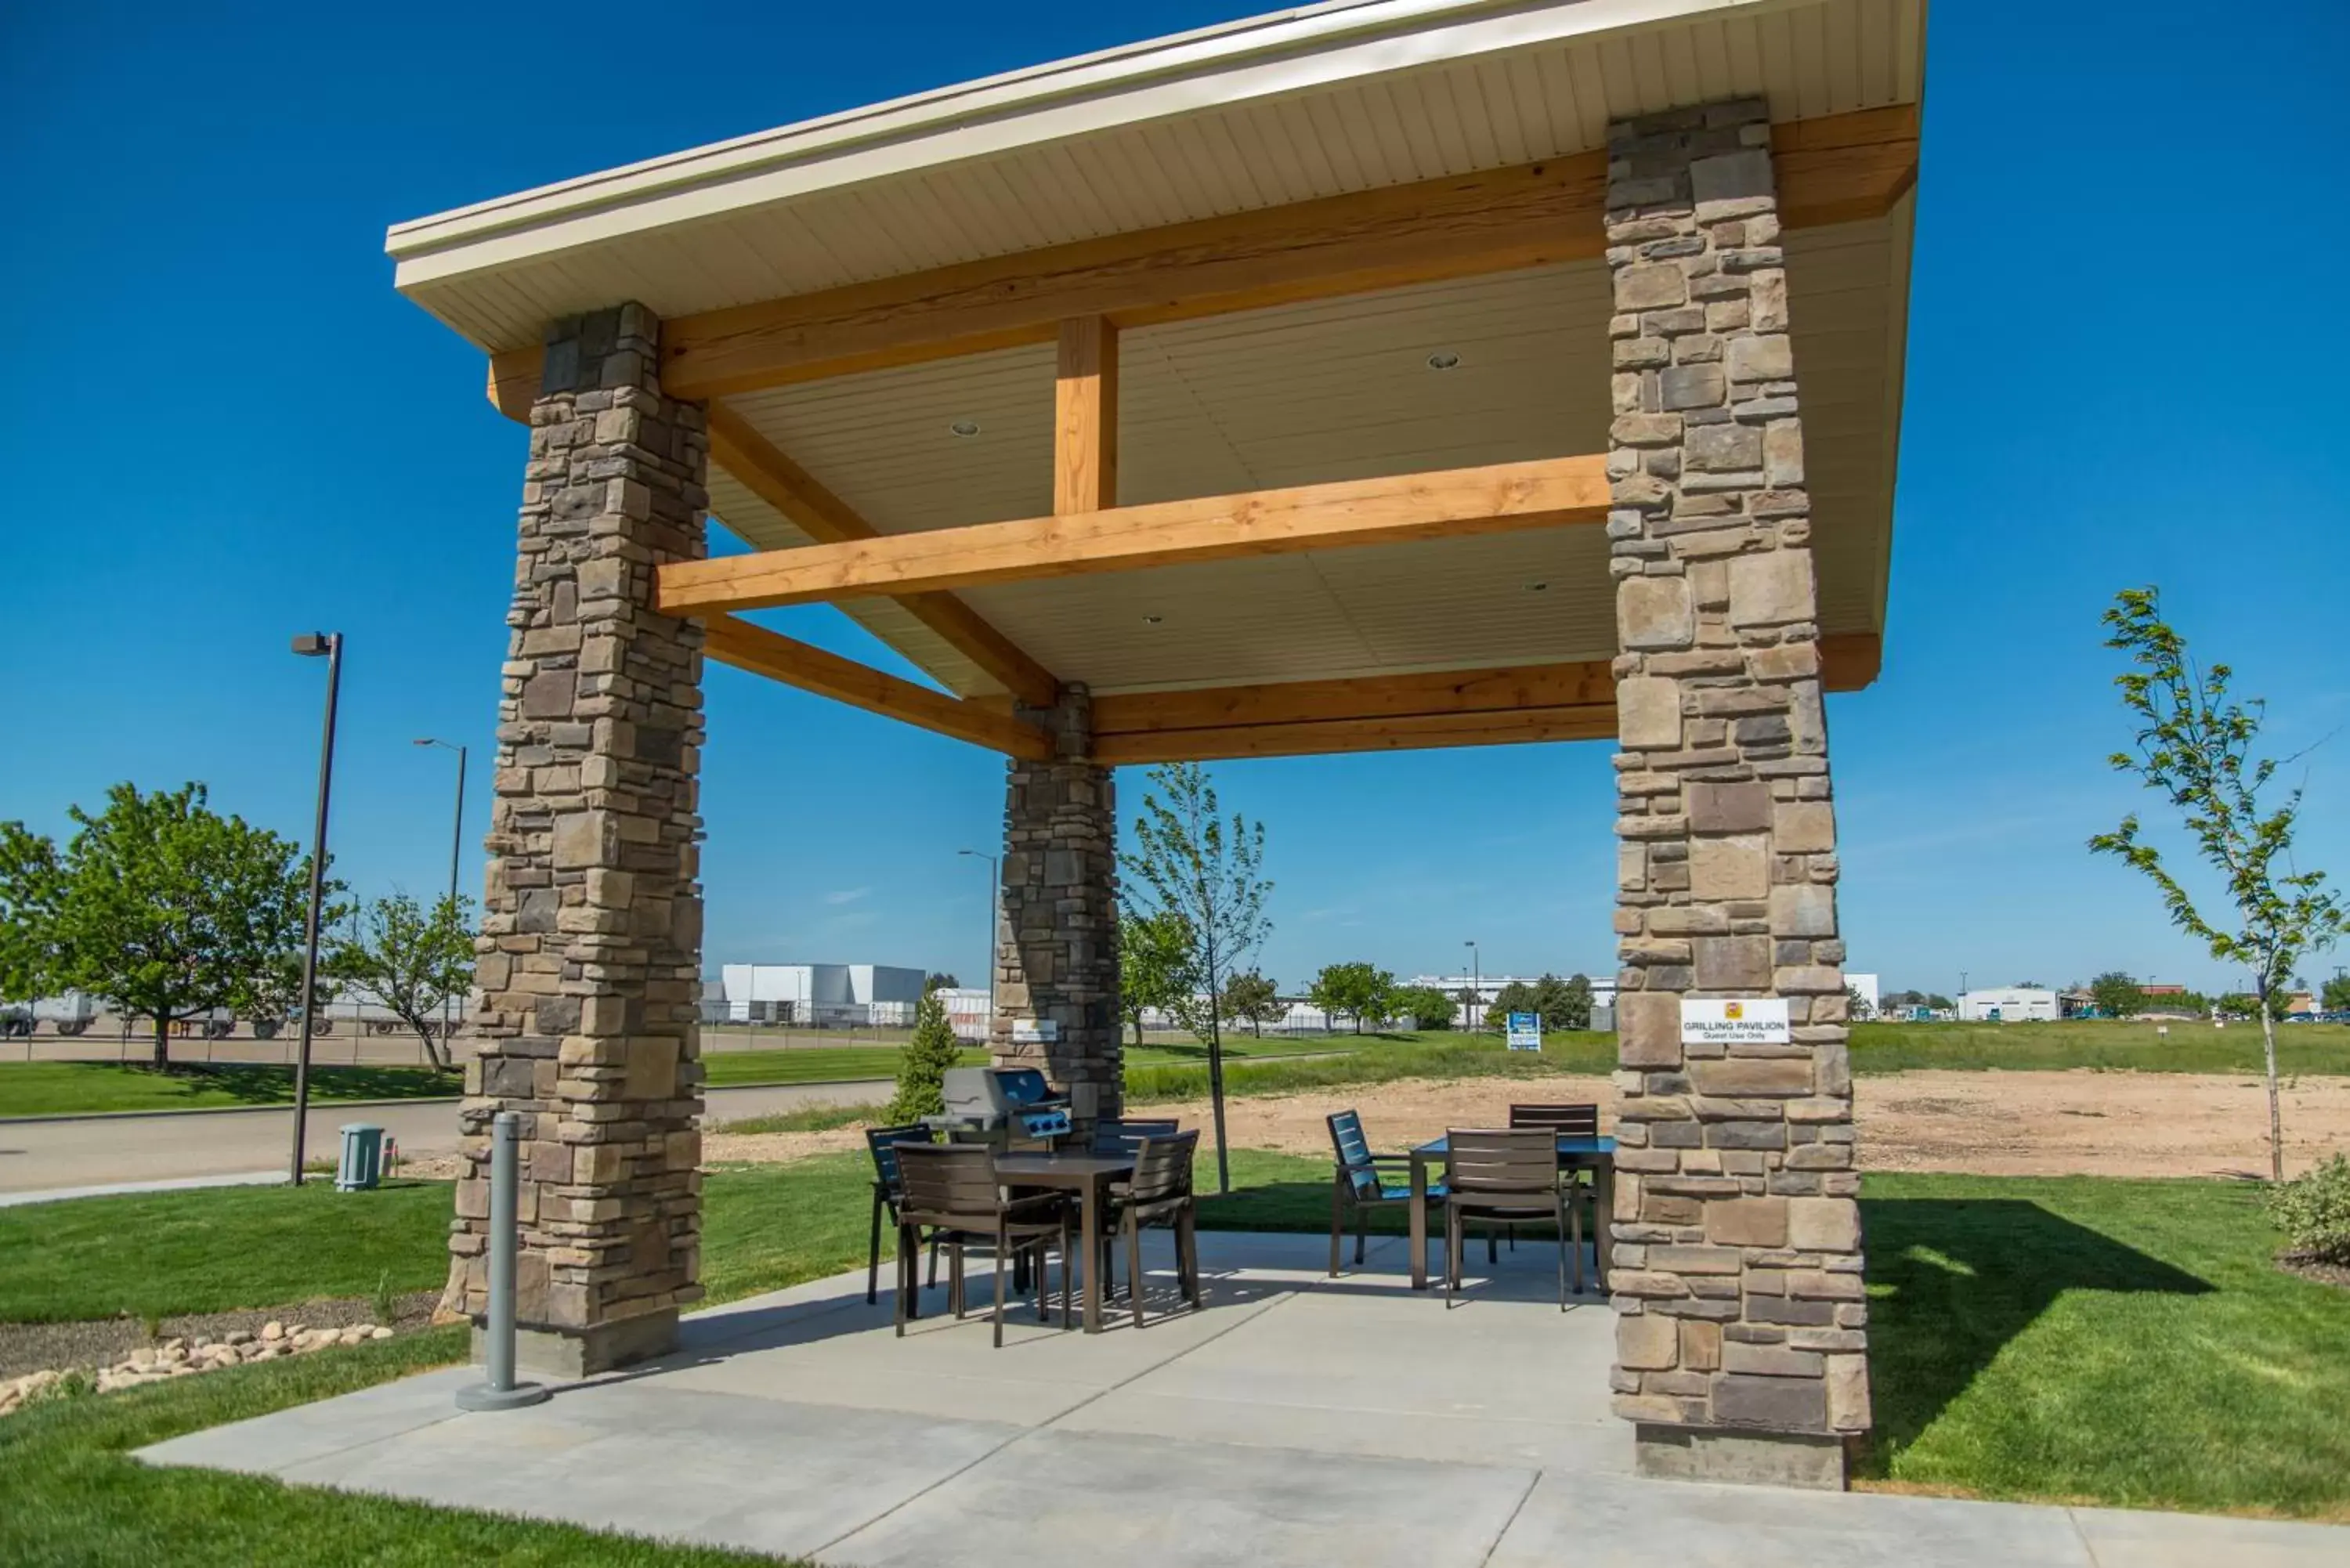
1328,390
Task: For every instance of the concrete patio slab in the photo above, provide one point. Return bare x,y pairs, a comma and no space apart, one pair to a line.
1058,1498
1294,1412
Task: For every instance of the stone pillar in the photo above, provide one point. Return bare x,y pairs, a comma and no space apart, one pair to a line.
591,934
1741,1342
1056,932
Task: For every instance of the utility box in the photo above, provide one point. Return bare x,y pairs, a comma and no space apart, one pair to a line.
362,1165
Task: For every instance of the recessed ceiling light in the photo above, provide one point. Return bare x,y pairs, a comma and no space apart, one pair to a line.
1443,359
1152,619
965,427
1537,587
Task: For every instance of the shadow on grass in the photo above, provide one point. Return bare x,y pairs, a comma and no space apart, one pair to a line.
1952,1281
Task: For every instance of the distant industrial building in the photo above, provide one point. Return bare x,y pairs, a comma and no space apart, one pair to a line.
2010,1004
811,995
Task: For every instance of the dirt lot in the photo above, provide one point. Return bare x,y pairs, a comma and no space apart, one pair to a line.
1992,1124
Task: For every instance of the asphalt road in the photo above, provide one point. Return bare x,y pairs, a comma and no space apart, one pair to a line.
93,1151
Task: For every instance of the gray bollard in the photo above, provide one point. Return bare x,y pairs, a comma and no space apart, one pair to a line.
501,1392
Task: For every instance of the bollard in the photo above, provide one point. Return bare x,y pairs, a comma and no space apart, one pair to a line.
501,1392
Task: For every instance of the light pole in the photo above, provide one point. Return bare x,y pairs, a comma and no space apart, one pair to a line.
311,644
994,893
1476,980
456,844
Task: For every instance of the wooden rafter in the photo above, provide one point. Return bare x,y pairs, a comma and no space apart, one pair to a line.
763,652
1085,421
805,503
1833,169
1592,722
1450,504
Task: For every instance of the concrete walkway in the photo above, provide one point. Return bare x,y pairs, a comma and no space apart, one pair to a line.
111,1150
1297,1420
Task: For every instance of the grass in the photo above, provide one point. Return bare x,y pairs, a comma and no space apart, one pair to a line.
77,1088
2302,1048
1379,1059
2126,1343
216,1250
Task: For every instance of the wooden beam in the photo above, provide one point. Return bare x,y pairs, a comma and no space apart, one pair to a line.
1580,683
1454,503
1592,722
1567,701
816,510
1832,170
794,663
1085,422
514,381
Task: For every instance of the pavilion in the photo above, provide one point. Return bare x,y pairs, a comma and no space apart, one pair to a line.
1381,374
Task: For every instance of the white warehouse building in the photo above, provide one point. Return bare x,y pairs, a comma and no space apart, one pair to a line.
820,993
2010,1004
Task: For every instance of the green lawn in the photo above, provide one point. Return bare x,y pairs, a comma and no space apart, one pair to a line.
77,1088
2307,1048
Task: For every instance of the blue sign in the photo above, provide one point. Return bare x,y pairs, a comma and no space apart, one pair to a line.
1525,1032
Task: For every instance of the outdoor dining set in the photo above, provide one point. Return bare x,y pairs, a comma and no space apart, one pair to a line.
993,1175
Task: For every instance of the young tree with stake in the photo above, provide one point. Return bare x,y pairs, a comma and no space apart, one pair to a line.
1189,862
410,961
2194,744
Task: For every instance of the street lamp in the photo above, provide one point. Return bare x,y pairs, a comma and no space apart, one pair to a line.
1476,982
456,843
994,893
312,645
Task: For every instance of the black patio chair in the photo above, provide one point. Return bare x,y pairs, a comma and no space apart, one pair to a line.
1512,1177
1160,1194
1116,1137
953,1189
1358,1184
1564,1121
882,1143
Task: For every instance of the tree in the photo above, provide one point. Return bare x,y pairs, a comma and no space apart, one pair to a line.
1516,997
1359,991
2117,995
1423,1006
942,980
1254,999
1187,861
2336,995
29,880
2194,745
159,905
1564,1004
1157,967
922,1065
412,962
1856,1006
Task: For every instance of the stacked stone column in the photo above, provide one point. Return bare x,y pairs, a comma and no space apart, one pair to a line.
1741,1342
591,935
1057,931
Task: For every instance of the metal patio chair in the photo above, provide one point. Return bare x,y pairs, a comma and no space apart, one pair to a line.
1160,1194
1510,1175
1358,1184
1564,1120
882,1143
954,1189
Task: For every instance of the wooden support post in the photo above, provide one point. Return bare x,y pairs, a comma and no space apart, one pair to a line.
1085,425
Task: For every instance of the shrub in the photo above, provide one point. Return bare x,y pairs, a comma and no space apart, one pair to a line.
922,1070
2314,1212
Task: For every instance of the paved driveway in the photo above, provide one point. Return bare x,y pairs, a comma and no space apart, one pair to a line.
93,1151
1296,1421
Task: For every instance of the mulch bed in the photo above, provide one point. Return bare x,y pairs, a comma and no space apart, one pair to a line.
33,1346
2335,1275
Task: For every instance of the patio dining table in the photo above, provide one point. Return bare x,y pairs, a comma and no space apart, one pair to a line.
1575,1153
1089,1177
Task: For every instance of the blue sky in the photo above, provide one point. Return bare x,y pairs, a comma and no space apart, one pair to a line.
222,427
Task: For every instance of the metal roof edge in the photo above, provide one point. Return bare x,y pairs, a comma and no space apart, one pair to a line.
1055,101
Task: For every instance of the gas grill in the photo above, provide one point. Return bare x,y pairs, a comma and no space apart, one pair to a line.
1008,1107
